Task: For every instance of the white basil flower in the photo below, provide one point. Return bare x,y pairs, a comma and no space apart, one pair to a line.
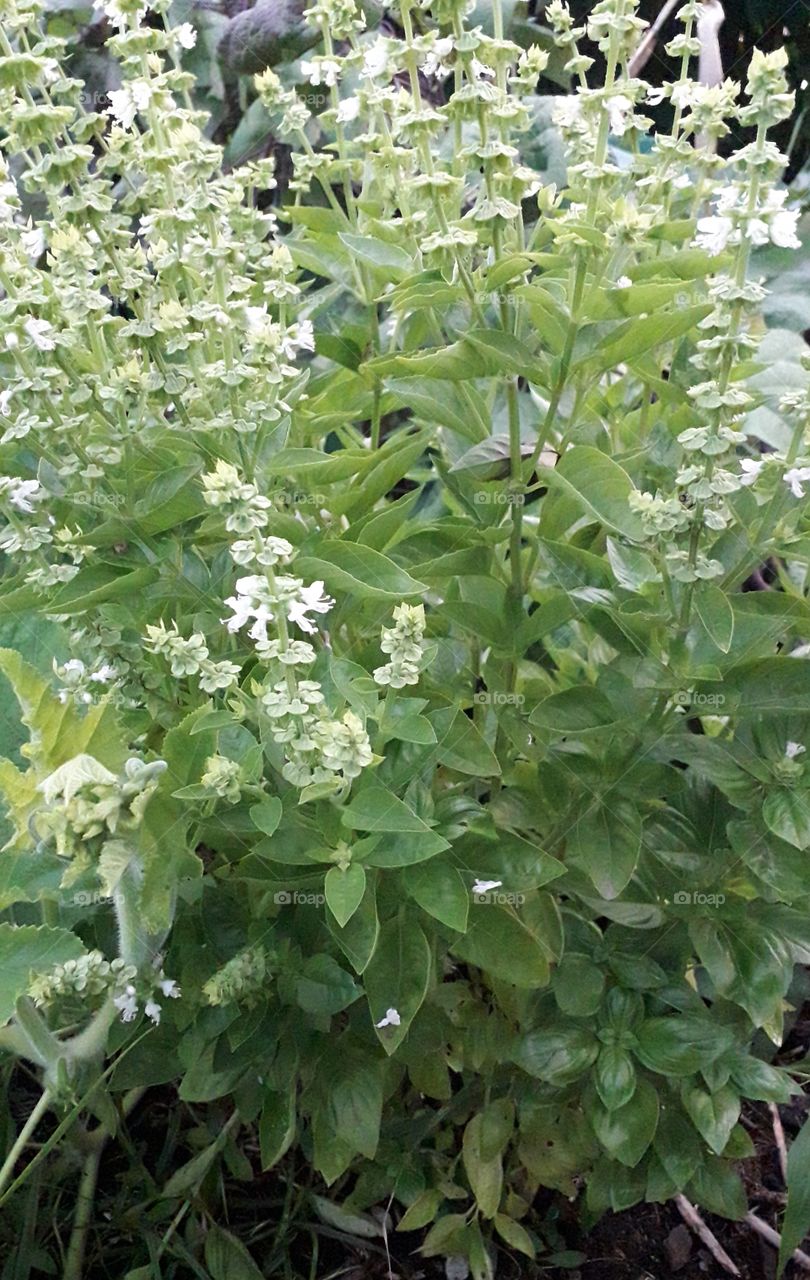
391,1019
485,886
309,599
127,1003
795,478
751,468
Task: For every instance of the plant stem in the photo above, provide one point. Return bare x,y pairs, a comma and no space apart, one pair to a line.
27,1131
74,1263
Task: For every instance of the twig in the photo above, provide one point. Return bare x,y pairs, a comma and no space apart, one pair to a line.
693,1220
779,1138
645,50
773,1237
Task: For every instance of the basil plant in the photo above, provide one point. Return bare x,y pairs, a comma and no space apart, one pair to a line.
415,783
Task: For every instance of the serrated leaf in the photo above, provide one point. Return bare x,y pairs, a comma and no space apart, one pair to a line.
26,950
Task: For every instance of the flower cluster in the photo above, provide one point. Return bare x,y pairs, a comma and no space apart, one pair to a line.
189,657
91,978
80,684
140,313
222,776
128,996
243,980
734,219
84,800
261,599
404,642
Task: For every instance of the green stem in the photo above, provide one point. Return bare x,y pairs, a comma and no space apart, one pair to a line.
74,1263
27,1132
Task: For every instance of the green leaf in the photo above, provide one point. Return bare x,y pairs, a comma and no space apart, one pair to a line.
27,950
405,848
276,1125
757,1079
265,815
442,403
714,1115
397,979
355,1092
497,942
632,568
323,987
519,864
227,1258
460,745
796,1222
421,1212
677,1145
605,843
717,1187
344,891
629,341
557,1057
787,815
614,1076
715,612
367,574
375,808
483,1168
574,711
578,984
93,585
627,1131
439,889
189,1176
390,259
516,1236
683,1044
768,686
344,1220
599,486
358,938
482,353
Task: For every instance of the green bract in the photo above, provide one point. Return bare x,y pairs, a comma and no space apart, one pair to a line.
408,716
